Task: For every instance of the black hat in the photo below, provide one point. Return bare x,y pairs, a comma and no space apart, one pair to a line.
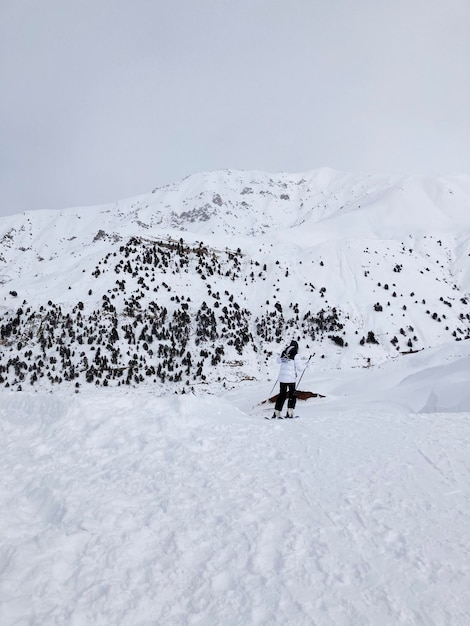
291,350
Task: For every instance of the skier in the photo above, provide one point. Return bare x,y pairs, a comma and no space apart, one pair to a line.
291,366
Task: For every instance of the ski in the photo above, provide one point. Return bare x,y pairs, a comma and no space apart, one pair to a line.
284,417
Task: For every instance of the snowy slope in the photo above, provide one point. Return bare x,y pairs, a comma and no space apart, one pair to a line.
121,507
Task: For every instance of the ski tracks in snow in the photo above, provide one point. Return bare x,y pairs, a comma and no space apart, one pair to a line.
128,509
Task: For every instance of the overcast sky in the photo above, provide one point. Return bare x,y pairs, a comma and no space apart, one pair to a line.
105,99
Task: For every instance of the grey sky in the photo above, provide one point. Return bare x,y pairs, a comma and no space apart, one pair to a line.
105,99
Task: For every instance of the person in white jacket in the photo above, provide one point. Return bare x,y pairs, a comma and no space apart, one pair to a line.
291,367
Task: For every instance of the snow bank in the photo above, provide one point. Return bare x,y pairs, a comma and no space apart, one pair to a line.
431,381
444,388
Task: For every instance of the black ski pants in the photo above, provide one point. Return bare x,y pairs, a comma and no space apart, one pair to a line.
286,390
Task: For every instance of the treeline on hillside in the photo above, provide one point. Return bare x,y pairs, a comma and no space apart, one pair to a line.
158,345
144,326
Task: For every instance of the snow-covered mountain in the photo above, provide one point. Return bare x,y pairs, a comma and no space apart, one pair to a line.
135,506
201,281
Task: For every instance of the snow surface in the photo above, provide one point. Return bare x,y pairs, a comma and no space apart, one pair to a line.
128,508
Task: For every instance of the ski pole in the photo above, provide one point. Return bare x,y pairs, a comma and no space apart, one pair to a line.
267,400
275,383
306,365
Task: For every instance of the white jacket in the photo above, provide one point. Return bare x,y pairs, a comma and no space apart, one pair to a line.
290,369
